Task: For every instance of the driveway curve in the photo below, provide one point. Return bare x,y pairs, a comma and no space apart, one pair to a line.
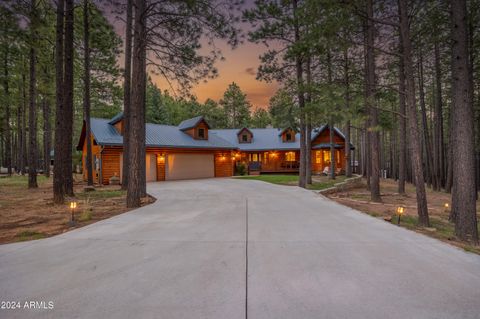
187,256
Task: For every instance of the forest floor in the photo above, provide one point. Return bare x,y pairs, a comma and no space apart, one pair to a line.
30,214
440,227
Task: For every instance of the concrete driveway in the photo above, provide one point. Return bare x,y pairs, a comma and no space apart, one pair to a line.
185,257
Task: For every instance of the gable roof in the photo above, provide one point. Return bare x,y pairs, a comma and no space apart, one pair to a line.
316,132
286,129
191,123
244,129
169,136
156,136
117,118
264,139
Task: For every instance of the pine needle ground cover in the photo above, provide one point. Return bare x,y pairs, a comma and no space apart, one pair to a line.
29,214
440,227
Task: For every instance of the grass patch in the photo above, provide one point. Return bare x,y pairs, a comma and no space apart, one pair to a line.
274,179
20,181
101,194
324,182
29,235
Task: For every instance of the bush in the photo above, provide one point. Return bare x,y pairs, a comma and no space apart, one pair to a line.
86,215
241,169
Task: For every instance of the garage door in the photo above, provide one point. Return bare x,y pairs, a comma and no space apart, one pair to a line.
150,167
189,166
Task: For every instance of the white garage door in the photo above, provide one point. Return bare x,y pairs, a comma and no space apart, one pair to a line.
189,166
150,167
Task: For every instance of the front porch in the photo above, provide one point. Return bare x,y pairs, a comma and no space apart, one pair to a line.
288,161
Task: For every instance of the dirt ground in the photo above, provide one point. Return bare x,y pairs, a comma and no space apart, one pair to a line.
30,214
441,228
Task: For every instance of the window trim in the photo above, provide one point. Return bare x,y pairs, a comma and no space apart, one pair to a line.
202,136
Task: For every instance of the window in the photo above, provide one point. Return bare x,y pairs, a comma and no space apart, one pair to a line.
255,157
201,133
326,157
318,157
290,156
288,137
244,138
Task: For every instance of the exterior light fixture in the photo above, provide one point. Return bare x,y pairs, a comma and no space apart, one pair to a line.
161,158
447,207
73,205
400,212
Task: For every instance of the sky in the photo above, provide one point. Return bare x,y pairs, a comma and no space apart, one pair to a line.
240,66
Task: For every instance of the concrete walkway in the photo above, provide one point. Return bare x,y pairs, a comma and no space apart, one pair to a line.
185,257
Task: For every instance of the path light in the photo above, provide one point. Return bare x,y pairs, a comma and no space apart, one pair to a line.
400,212
73,205
447,206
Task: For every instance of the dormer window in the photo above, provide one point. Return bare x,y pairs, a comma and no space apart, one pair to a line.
196,127
245,135
288,135
201,133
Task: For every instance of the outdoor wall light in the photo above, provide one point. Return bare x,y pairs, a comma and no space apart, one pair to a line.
73,205
400,212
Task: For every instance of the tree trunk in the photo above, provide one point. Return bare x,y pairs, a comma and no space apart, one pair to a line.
68,94
86,97
331,129
59,148
402,136
308,128
24,123
19,136
463,186
348,161
425,135
137,114
126,95
415,149
47,136
32,110
7,128
438,153
372,110
301,102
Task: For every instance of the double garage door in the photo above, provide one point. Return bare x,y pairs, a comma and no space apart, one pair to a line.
189,166
179,166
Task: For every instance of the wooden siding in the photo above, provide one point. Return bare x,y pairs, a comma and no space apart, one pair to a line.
110,163
119,127
292,136
246,132
95,154
325,138
223,164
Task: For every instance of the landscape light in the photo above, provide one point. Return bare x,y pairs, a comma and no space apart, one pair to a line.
446,207
73,205
400,212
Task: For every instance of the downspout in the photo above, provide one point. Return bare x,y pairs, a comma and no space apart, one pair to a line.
100,175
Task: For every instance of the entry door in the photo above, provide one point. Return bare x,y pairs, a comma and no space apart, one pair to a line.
189,166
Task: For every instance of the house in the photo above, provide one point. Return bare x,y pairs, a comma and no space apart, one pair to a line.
194,150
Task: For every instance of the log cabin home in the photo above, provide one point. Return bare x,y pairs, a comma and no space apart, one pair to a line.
194,150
